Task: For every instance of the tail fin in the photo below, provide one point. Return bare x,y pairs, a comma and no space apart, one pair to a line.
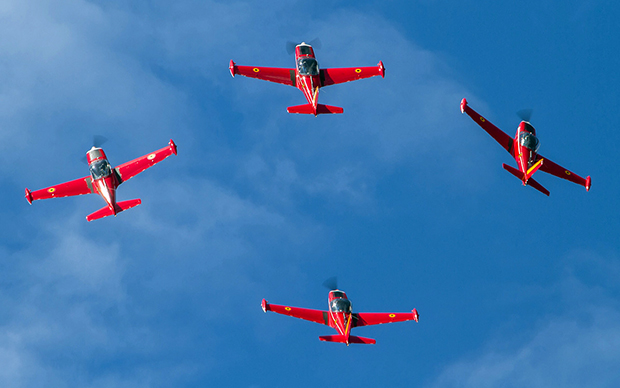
106,211
352,339
531,181
309,109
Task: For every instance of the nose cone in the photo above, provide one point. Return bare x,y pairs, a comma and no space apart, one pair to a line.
95,154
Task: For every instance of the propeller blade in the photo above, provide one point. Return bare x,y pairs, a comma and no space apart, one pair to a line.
99,140
290,47
316,43
331,283
525,114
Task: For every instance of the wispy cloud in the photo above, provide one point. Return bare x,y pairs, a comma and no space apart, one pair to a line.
578,346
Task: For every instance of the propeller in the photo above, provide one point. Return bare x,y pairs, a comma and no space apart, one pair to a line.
525,114
331,283
315,43
99,140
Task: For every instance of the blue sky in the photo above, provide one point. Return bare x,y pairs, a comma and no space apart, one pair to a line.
402,197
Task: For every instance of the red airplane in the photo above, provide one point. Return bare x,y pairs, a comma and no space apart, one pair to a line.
340,317
104,180
307,77
524,148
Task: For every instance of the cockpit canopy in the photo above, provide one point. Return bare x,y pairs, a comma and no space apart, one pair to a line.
100,169
340,305
528,140
308,66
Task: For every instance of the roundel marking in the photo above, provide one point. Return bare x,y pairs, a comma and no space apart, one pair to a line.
256,69
287,308
151,157
51,189
482,119
358,71
392,315
567,172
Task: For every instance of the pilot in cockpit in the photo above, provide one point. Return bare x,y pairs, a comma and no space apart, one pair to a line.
100,168
528,140
308,66
340,305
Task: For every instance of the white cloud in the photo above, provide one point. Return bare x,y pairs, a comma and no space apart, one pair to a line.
578,347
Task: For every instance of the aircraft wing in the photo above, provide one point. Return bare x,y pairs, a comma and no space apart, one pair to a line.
271,74
500,136
67,189
341,75
555,169
132,168
317,316
368,319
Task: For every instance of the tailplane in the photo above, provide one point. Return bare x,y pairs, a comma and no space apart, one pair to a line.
119,207
530,181
309,109
352,339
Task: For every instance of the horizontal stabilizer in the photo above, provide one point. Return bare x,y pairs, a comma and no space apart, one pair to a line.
530,182
513,171
352,339
309,109
106,211
538,186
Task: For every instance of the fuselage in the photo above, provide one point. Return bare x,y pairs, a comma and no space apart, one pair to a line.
526,146
104,180
307,73
340,313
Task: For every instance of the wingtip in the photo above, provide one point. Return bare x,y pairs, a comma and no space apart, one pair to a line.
381,69
264,305
463,105
588,183
231,67
29,196
173,146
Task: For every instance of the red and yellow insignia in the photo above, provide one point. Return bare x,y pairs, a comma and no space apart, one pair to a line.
482,119
358,71
256,69
51,190
567,172
287,308
392,315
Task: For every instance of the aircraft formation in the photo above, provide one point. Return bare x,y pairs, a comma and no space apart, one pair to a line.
309,78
